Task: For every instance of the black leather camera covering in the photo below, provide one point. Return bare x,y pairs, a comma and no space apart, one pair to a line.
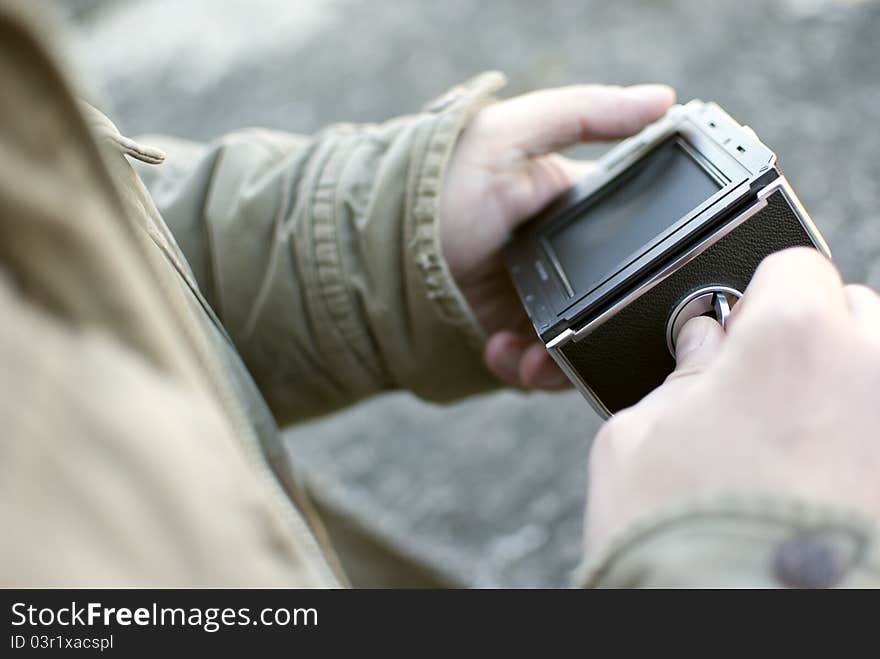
626,357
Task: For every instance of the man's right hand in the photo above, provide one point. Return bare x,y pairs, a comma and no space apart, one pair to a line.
787,401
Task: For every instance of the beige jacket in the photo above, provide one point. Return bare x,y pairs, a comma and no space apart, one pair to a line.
147,357
138,446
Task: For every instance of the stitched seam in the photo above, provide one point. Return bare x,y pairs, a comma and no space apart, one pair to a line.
448,301
338,300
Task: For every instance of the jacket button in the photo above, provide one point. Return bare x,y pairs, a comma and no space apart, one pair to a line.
809,561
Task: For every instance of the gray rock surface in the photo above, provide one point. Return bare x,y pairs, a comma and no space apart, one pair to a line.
491,490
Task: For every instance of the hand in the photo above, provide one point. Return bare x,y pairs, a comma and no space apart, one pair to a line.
786,401
504,169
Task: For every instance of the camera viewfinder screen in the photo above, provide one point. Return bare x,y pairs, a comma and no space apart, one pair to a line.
629,212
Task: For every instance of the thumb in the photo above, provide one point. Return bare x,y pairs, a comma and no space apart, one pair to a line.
697,344
554,119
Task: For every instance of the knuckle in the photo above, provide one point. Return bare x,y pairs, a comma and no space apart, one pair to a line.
791,292
862,291
794,258
612,431
800,315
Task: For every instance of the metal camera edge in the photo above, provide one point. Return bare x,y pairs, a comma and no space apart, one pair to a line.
611,338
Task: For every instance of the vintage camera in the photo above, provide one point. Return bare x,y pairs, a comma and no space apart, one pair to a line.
671,224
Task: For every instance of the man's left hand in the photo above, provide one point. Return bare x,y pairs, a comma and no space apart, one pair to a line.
504,169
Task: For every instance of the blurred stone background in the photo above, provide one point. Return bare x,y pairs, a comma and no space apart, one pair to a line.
489,492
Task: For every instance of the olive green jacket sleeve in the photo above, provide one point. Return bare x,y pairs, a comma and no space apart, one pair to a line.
752,540
321,255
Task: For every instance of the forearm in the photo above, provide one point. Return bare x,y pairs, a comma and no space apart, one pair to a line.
321,255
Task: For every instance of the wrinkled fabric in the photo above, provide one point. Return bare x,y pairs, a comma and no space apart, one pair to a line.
137,448
322,258
148,353
739,540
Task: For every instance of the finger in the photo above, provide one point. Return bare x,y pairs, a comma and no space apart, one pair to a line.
795,283
698,343
864,305
573,169
548,175
554,119
538,370
503,352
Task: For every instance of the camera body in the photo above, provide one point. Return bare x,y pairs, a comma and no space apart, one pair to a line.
671,224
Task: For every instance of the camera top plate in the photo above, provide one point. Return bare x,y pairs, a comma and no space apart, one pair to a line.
728,153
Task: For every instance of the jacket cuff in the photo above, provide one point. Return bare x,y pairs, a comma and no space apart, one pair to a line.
740,540
451,353
454,108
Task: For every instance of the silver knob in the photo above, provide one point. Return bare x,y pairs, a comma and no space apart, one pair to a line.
716,300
